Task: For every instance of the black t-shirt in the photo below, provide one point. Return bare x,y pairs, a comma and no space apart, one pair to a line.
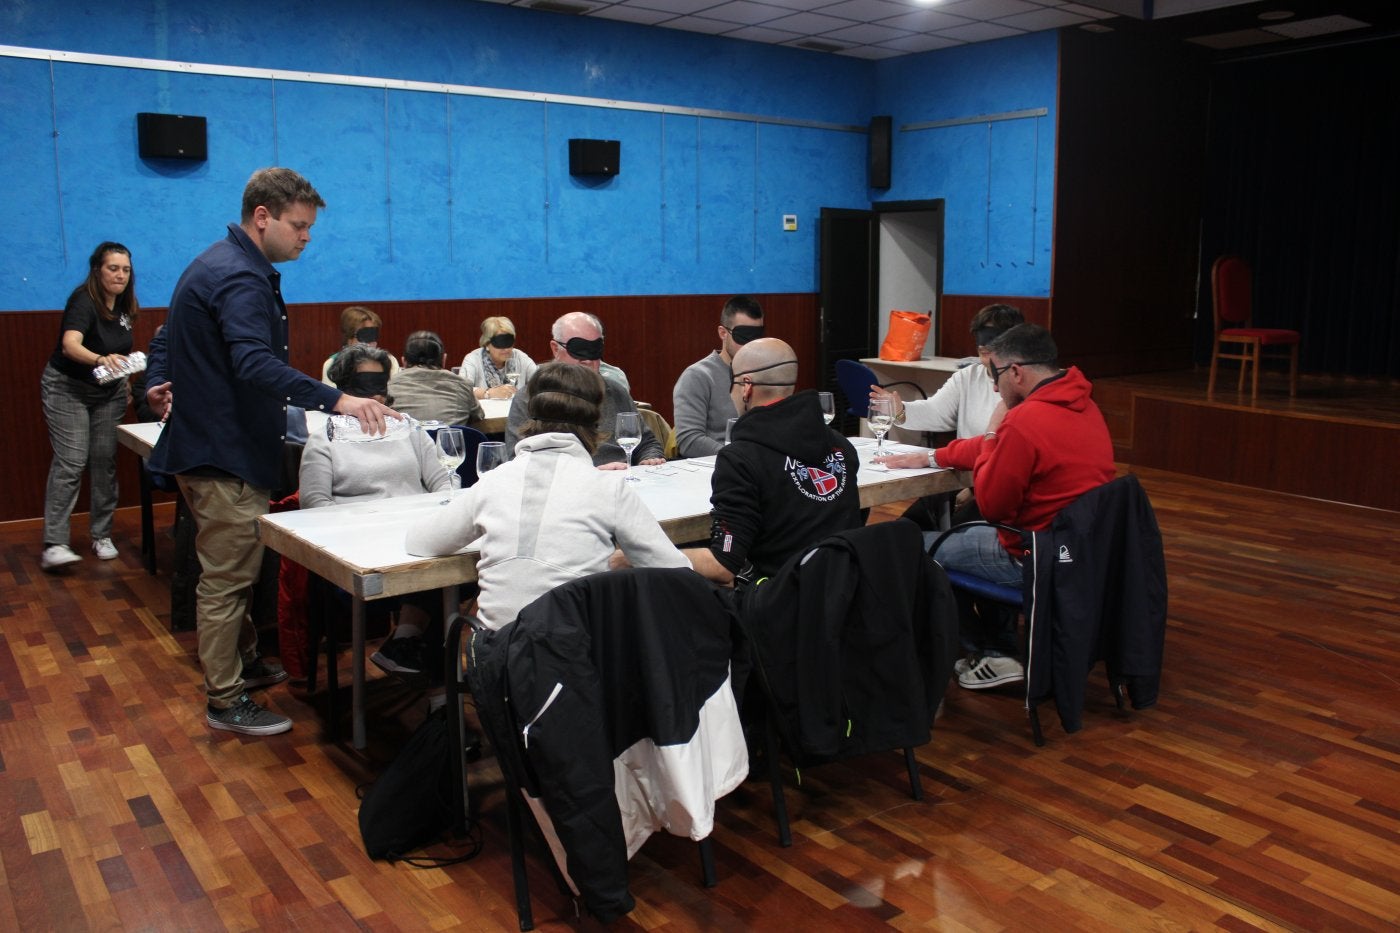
100,335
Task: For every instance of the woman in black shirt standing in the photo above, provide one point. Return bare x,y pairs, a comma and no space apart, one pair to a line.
83,413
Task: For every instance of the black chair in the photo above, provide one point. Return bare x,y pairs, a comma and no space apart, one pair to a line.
639,663
1094,589
852,646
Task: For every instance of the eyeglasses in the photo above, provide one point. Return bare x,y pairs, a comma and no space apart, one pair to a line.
995,371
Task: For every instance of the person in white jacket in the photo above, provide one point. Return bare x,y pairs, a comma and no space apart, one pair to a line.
965,402
547,516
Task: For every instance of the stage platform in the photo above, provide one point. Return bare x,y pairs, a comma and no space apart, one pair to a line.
1339,439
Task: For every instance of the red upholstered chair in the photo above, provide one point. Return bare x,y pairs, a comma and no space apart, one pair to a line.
1232,290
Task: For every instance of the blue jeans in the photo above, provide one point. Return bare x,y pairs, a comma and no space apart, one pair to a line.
978,551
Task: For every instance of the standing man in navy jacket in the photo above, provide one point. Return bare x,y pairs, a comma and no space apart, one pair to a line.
225,348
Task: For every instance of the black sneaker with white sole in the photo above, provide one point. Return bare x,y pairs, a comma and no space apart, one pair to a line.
249,718
404,658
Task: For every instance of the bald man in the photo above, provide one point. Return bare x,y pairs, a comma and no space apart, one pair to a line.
577,338
784,482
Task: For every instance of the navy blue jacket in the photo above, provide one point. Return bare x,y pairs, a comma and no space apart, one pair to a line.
1097,582
225,352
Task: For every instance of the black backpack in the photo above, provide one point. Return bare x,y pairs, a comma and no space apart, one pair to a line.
410,805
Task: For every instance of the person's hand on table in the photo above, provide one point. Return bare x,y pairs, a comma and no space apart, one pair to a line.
159,398
501,391
370,413
652,461
615,465
914,461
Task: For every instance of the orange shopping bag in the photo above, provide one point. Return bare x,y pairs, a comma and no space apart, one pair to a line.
906,337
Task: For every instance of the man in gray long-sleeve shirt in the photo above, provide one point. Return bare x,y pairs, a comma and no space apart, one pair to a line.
701,398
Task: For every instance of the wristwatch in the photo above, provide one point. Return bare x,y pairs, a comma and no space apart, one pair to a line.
933,461
903,413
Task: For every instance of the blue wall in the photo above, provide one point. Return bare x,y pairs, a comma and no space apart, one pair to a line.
434,195
998,178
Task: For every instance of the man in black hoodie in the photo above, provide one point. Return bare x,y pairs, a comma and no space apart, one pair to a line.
784,482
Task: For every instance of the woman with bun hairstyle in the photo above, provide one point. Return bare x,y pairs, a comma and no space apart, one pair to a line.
547,516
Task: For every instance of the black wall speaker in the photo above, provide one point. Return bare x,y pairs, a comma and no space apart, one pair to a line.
171,136
880,141
594,156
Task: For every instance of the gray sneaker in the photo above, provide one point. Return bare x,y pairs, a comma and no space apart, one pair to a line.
262,673
249,718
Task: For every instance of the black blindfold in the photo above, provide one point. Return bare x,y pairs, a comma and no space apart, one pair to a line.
367,335
985,335
502,341
366,385
581,349
746,332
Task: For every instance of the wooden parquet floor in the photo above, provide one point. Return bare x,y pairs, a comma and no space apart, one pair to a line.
1262,793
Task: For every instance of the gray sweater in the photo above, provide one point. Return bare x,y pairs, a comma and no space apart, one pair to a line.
702,406
335,472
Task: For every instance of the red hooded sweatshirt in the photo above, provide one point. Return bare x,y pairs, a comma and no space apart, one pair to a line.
1050,449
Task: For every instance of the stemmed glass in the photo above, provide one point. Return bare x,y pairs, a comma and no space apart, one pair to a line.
489,455
513,378
828,404
881,418
628,436
451,451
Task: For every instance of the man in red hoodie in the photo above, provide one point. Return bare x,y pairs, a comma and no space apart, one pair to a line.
1045,445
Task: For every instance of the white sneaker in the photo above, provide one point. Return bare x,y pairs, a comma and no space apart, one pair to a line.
58,555
104,548
991,672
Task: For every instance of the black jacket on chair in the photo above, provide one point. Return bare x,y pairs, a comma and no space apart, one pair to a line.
1098,586
854,641
587,674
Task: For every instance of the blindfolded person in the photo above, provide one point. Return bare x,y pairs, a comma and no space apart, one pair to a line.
404,465
547,516
577,339
701,397
499,367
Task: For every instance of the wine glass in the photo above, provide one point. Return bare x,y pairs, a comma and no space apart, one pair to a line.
828,404
513,378
451,451
881,417
628,436
489,455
